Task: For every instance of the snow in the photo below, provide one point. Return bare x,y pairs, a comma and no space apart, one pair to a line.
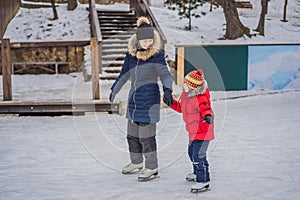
255,154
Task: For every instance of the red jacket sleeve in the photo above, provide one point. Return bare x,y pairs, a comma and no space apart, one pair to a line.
176,106
205,105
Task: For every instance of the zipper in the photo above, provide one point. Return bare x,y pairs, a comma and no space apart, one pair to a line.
134,85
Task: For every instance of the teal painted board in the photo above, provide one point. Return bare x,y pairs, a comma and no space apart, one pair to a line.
225,67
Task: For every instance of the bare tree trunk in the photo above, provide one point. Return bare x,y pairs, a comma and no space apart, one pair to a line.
190,16
55,16
261,25
72,4
284,11
234,27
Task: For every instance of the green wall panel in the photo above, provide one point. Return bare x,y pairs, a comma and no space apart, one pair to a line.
225,67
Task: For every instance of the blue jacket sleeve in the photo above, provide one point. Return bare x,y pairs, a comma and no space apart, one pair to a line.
123,76
162,70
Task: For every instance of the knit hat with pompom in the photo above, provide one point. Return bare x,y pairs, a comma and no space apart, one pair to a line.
144,30
194,78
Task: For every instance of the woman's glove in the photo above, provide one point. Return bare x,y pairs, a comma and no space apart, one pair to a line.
208,119
168,98
112,96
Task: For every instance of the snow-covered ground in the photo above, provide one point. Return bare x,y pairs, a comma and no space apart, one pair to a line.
255,154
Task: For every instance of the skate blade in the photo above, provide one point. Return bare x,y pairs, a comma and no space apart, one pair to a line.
204,189
148,178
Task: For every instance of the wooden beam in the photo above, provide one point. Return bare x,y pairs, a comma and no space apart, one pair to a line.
180,66
57,107
6,70
95,68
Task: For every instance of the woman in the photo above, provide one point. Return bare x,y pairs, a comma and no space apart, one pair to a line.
144,63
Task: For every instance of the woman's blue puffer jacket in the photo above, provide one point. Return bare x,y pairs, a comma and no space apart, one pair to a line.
144,68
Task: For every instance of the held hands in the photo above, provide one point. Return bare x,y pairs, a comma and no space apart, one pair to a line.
112,96
168,98
208,119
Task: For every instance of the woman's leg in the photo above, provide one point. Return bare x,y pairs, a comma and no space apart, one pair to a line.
135,147
147,133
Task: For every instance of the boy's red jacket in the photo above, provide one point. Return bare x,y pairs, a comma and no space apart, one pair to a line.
193,110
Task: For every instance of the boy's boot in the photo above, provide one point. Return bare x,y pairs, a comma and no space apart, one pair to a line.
190,177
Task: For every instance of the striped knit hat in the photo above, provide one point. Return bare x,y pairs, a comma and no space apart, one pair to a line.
194,78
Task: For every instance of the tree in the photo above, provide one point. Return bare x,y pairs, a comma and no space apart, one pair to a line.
261,25
55,16
284,11
234,27
72,4
187,9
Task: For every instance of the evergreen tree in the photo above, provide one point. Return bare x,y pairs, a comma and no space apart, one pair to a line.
188,9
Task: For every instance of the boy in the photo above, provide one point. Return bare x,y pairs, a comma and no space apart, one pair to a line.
195,106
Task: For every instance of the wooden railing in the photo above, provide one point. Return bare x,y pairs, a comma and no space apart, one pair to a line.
96,49
7,63
142,9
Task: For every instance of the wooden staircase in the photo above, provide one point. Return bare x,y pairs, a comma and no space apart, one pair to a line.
116,28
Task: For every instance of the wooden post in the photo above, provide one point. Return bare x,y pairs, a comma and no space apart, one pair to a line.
180,66
6,70
95,68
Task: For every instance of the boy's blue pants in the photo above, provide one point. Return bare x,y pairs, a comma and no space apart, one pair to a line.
197,153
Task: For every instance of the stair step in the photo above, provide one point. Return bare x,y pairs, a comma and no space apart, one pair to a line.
115,13
117,36
117,18
117,63
114,51
112,70
114,41
115,46
108,77
113,57
129,21
118,28
111,25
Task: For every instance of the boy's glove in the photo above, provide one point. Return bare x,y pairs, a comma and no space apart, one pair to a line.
112,96
168,98
208,119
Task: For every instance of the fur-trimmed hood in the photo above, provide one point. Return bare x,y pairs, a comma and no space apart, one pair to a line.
144,55
199,90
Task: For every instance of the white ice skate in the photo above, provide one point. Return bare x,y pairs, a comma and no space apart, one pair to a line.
131,168
190,177
200,187
148,174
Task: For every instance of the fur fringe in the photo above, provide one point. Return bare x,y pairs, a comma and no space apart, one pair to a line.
142,20
199,90
144,55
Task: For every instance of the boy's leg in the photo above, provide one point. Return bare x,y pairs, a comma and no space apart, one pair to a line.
135,147
190,153
200,162
148,141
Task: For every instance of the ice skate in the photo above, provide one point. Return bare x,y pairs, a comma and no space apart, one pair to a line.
148,174
200,187
131,168
190,177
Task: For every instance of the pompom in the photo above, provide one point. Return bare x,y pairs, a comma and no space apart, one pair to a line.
142,20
